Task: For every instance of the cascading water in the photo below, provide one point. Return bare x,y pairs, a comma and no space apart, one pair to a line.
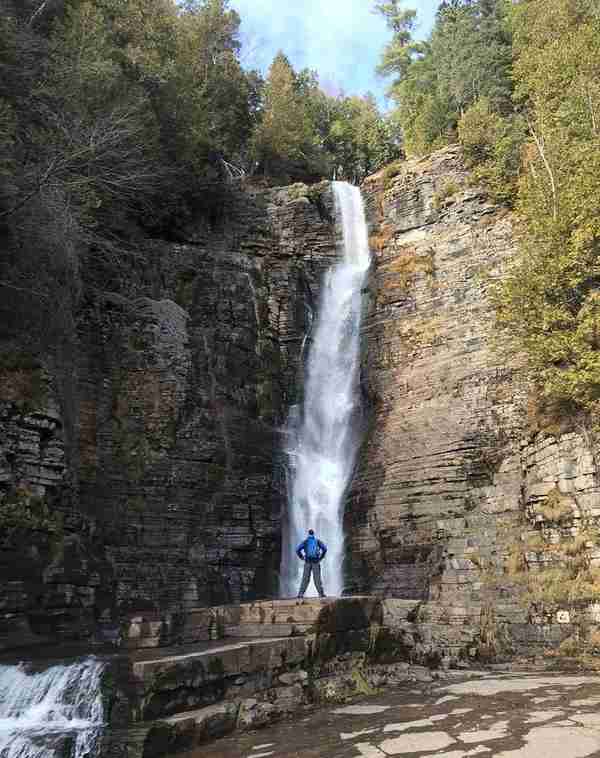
324,433
56,712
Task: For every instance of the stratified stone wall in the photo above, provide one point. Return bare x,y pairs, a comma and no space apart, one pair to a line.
456,468
153,466
186,363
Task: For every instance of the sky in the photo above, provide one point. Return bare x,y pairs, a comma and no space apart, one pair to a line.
341,39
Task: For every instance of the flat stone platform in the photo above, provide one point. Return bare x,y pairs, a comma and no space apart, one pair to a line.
507,715
263,618
183,680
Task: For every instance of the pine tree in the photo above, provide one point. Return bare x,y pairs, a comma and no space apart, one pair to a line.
550,304
467,56
285,133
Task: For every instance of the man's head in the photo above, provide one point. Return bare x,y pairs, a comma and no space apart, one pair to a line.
310,531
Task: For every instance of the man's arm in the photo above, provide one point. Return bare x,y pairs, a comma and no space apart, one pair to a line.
299,550
323,547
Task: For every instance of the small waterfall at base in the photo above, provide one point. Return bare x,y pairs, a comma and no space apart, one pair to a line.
323,434
52,713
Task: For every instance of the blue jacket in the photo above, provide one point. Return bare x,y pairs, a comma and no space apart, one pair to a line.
302,548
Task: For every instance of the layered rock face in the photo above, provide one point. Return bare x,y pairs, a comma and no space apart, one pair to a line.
457,467
150,468
159,446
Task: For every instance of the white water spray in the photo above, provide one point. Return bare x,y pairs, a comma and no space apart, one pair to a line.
56,712
324,433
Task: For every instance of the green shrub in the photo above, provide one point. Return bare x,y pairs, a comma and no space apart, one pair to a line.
492,147
446,191
390,171
21,509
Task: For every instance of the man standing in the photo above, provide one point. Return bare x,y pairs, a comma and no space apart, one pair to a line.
311,551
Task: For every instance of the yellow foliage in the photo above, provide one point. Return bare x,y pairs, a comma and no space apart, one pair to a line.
565,574
516,565
570,647
378,242
556,508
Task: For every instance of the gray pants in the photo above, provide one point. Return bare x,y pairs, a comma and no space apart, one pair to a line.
314,568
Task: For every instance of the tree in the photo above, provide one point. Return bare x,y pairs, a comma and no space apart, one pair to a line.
472,49
285,133
109,112
549,303
336,135
492,147
362,140
399,54
207,95
467,56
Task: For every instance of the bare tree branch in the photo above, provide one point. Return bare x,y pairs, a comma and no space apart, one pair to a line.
106,155
22,289
41,182
39,12
539,142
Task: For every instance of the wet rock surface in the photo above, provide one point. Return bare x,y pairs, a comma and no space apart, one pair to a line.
509,715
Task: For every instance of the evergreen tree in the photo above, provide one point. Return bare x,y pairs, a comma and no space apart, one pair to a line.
285,134
467,56
550,304
330,135
361,139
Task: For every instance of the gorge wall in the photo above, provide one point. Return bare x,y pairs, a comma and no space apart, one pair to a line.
146,467
462,465
149,469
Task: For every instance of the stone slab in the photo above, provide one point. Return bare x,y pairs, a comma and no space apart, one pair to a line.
173,670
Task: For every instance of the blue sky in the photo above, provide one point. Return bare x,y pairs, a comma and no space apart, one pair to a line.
341,39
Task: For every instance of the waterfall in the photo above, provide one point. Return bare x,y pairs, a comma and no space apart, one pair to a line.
323,434
55,712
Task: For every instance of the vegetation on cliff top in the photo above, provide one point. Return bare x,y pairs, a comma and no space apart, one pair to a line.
302,129
114,117
518,84
550,303
114,113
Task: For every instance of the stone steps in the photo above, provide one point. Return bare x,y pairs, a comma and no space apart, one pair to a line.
185,697
173,734
265,618
247,665
233,657
174,682
195,676
189,729
276,618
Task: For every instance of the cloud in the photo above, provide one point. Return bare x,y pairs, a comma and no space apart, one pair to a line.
341,39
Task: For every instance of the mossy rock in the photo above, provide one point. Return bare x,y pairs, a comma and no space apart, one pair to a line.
312,192
445,192
18,360
20,509
391,171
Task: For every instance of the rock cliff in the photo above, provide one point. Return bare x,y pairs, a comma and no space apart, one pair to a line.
148,469
460,464
148,472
